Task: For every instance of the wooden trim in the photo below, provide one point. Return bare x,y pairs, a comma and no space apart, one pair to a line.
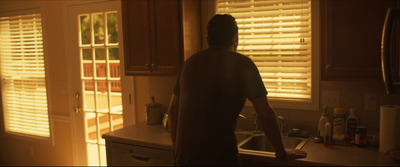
60,117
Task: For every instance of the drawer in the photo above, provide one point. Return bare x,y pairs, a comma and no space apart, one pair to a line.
131,155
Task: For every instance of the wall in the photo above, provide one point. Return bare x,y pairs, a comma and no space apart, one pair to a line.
17,151
351,95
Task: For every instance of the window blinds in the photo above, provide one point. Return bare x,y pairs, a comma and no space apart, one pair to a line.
23,75
276,35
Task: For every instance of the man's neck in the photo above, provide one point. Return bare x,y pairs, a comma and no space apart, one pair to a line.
229,48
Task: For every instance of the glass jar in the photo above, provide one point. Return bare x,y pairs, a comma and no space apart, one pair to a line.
361,136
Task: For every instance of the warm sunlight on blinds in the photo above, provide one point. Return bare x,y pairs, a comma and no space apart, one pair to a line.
276,35
23,77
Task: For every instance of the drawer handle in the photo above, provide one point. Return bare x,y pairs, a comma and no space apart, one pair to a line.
140,158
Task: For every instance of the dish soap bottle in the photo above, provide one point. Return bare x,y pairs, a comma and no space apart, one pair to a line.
322,120
351,124
339,124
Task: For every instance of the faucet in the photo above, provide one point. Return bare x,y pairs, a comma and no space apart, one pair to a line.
281,123
256,126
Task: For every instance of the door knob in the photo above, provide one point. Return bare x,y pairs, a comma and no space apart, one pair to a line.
77,108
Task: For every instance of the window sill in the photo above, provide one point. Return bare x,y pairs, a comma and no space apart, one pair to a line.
290,104
26,137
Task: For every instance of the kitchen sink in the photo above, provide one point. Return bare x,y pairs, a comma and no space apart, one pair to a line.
259,142
242,135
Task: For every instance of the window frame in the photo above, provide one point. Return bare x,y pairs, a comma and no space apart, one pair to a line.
209,9
31,8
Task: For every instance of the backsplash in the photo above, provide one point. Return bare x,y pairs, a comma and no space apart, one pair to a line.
351,94
161,89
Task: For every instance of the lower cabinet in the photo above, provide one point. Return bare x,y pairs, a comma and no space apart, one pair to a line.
119,154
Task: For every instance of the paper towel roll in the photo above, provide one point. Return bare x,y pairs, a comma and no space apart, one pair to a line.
388,128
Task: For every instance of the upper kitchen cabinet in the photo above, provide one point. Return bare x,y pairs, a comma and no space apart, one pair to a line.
158,34
351,34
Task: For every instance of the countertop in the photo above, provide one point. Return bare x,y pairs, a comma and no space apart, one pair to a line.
317,154
142,134
347,155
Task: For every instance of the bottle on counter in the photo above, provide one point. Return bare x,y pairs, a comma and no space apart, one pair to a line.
351,124
328,134
322,120
361,136
339,124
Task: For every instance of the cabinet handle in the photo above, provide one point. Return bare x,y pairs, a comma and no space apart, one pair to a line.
153,65
140,158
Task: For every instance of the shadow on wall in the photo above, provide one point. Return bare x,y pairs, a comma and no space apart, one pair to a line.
351,94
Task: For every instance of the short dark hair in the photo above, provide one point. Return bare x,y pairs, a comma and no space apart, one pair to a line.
221,30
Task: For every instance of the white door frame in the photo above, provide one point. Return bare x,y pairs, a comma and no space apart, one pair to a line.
79,145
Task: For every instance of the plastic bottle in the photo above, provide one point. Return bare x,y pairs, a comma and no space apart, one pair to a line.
328,134
322,120
339,124
351,124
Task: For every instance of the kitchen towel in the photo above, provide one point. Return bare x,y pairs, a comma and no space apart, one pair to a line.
389,129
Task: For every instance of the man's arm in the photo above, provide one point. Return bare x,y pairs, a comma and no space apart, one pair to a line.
173,117
269,125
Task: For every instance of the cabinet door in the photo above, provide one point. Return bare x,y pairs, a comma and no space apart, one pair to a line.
351,38
136,27
167,54
153,36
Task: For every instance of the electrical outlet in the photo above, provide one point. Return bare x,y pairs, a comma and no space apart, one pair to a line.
330,98
370,101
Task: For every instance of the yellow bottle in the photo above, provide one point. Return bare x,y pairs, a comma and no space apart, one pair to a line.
339,123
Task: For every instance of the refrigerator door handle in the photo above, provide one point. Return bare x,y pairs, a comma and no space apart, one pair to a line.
386,48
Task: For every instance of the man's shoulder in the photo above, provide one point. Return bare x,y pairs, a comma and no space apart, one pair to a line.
241,56
196,55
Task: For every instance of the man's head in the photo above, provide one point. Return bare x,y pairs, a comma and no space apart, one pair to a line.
222,31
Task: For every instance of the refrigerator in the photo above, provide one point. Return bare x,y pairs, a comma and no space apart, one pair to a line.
390,51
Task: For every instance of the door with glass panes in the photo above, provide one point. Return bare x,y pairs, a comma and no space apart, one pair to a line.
96,61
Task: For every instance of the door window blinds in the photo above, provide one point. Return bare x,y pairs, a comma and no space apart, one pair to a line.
23,75
276,35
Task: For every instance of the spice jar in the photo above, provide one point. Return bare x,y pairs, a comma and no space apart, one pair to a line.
361,136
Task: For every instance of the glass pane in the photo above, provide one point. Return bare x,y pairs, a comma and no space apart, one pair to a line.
112,27
103,155
117,122
85,29
100,67
115,70
88,69
101,87
116,98
88,97
104,122
116,88
93,154
100,54
91,129
113,53
102,97
87,54
98,28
